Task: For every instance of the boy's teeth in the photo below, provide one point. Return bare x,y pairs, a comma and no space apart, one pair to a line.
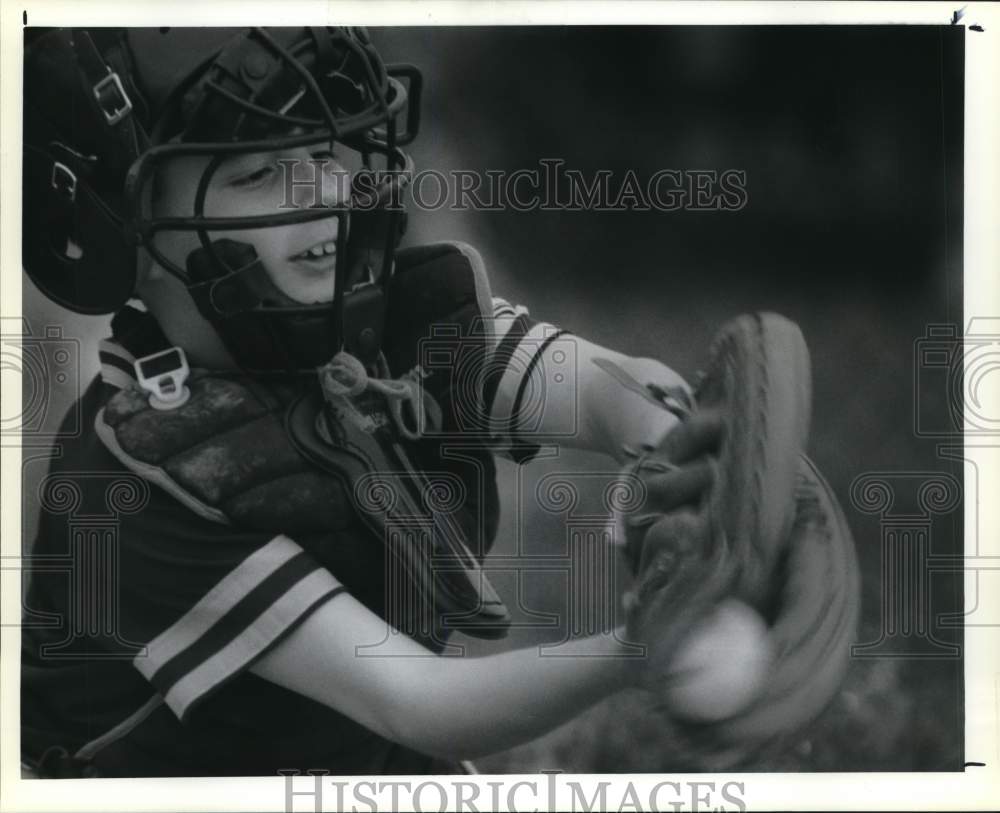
330,247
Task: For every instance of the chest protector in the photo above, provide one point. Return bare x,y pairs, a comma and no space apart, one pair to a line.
388,481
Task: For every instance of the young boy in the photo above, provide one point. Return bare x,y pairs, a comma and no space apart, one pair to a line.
296,477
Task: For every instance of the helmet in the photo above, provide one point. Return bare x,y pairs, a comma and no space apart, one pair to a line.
107,111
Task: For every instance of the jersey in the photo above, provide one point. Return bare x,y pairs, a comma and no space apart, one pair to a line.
152,678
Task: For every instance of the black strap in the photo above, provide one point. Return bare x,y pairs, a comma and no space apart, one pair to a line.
138,332
119,59
522,388
127,135
501,358
522,451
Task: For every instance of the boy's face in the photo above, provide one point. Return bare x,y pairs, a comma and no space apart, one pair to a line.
300,258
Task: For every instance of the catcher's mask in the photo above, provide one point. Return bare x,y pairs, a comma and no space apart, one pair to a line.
107,111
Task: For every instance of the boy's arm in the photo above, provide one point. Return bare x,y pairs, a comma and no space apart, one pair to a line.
450,707
579,403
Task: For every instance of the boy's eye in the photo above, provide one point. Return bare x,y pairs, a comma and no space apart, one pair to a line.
254,178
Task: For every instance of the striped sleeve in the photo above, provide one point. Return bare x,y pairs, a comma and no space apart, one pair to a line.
117,364
503,309
205,600
525,379
236,621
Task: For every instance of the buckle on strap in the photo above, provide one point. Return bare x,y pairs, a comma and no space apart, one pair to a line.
164,375
112,98
64,180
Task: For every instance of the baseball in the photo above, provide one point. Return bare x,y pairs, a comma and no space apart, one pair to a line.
721,666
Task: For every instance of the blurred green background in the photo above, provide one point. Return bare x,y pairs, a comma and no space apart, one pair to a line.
851,139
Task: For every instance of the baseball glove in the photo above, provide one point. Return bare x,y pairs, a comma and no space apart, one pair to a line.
815,621
733,508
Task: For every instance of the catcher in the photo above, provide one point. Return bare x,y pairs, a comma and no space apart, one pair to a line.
315,495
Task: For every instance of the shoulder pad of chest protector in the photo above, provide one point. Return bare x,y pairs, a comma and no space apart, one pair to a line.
225,454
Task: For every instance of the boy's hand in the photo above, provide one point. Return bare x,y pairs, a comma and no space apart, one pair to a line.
720,488
677,476
681,567
734,459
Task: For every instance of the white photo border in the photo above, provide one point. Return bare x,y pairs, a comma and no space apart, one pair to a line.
974,789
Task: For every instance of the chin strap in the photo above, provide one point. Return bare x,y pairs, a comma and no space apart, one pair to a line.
344,378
